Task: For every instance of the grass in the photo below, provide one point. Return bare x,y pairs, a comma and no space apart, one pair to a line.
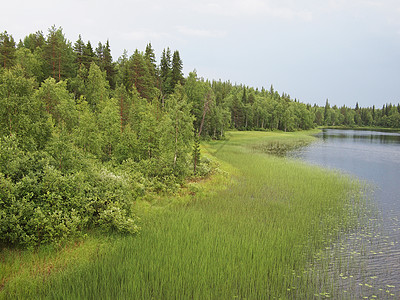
250,234
22,272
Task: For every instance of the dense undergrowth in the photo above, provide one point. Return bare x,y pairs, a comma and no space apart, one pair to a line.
250,234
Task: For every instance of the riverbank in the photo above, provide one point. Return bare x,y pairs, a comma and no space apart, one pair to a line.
370,128
253,230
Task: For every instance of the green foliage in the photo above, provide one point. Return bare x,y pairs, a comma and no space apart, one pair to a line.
86,134
58,55
140,76
7,50
176,70
176,137
253,238
196,152
108,121
165,72
50,196
31,62
59,103
97,87
83,136
21,114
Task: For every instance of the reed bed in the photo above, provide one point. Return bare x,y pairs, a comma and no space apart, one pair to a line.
257,238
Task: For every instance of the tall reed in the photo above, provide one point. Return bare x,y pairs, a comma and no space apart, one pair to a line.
255,239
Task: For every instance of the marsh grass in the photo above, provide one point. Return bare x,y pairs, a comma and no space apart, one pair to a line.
23,271
254,234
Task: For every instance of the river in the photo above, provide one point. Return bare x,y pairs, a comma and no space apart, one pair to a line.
374,157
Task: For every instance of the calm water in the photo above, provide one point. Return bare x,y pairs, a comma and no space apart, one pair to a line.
375,250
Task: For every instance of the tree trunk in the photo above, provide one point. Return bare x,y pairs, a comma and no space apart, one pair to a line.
205,109
54,62
121,112
176,141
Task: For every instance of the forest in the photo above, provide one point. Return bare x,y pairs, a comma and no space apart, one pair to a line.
83,135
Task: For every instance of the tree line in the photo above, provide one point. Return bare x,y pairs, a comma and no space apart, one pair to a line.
82,135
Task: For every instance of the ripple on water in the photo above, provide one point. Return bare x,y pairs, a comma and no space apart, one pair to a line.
366,262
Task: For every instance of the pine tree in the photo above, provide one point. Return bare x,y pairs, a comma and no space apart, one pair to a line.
109,65
165,72
326,113
58,55
100,55
244,96
237,110
177,66
140,76
79,47
7,50
150,58
88,55
125,103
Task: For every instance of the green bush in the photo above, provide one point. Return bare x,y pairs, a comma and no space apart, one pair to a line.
40,202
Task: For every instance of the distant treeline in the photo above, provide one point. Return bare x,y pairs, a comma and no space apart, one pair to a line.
215,105
81,135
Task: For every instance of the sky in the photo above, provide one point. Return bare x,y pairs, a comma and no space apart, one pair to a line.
340,50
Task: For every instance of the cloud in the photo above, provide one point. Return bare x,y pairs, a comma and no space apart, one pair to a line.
245,8
203,33
142,34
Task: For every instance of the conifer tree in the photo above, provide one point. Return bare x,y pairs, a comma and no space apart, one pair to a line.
165,72
7,50
59,55
150,56
152,66
100,55
140,76
244,96
88,55
109,65
125,103
237,110
327,113
79,47
177,73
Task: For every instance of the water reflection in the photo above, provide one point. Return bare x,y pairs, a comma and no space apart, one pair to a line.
374,157
361,136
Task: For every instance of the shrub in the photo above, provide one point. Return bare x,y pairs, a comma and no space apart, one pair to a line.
42,203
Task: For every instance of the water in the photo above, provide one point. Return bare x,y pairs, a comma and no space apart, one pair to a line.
374,250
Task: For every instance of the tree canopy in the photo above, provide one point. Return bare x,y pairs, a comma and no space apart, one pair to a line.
83,135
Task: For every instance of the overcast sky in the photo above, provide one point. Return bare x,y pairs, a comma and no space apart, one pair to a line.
341,50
